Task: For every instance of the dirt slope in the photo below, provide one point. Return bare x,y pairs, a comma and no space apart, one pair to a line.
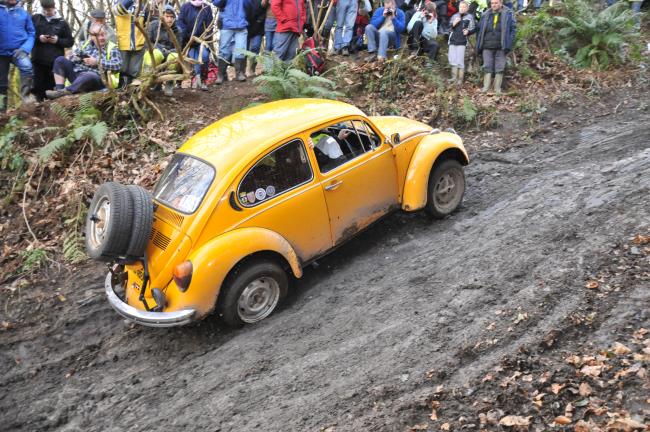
368,334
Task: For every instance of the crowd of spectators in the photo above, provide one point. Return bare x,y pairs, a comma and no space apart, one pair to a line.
147,34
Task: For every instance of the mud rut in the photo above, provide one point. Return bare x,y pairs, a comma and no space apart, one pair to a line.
352,345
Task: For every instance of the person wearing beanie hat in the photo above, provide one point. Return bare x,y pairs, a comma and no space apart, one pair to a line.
96,16
162,32
53,36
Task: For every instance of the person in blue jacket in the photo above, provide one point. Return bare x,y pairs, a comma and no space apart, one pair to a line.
386,24
17,36
495,38
234,36
195,20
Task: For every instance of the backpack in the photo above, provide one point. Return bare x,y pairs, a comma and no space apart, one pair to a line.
313,60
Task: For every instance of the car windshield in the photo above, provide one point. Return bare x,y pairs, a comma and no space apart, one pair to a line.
184,183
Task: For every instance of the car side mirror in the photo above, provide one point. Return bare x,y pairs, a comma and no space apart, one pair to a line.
395,139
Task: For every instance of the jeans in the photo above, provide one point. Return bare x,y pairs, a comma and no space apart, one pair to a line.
131,64
494,61
85,81
24,65
269,30
233,38
380,40
346,14
255,43
193,53
285,45
43,80
537,4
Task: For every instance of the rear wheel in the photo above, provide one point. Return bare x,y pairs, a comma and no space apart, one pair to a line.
446,188
109,221
252,292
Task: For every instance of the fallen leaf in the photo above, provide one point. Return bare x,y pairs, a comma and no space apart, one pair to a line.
620,349
61,297
591,370
562,420
445,426
512,420
555,388
434,406
521,317
582,426
624,424
420,427
592,284
584,389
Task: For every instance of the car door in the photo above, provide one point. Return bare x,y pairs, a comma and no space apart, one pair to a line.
358,176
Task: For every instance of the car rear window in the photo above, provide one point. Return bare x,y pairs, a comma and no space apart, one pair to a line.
184,183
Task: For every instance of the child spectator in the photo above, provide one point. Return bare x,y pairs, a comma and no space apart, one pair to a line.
195,21
233,38
17,36
462,23
291,17
82,69
496,35
386,25
53,35
423,30
130,39
269,25
160,34
96,16
363,19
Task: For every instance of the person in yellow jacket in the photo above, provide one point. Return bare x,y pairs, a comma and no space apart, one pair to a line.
130,39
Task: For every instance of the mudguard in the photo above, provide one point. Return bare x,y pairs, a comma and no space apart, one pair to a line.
214,260
430,148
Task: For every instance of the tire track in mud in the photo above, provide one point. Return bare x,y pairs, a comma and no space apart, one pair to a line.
355,341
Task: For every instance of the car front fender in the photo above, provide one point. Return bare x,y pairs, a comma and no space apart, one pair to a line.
429,150
216,258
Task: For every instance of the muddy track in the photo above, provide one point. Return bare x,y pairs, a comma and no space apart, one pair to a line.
368,332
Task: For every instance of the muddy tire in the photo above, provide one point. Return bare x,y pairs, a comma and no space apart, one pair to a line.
252,292
445,189
108,224
142,221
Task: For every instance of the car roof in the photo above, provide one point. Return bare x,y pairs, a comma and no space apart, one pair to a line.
237,139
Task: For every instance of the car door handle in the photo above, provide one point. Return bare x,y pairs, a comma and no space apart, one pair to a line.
334,185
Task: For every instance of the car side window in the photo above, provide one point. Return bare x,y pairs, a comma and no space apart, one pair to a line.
285,168
337,144
367,136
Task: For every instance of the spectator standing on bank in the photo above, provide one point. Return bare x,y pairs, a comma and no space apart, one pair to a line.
97,16
496,35
82,68
291,17
269,26
386,25
423,30
17,36
195,20
130,39
346,15
233,39
53,36
161,33
462,24
255,32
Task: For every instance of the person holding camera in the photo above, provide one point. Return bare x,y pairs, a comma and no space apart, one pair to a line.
423,30
462,23
17,36
386,24
84,66
495,38
53,35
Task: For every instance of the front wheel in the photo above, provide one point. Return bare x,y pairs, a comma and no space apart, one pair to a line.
252,293
446,188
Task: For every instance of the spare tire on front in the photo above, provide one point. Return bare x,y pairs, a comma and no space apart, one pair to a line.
109,222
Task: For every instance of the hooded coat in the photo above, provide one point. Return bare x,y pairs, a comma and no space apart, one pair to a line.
16,30
45,53
290,14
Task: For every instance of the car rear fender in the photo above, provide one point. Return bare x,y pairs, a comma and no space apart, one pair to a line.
432,148
213,261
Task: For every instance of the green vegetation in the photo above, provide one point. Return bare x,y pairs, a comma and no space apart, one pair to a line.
10,158
33,259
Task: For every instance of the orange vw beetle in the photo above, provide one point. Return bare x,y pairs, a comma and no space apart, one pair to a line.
248,201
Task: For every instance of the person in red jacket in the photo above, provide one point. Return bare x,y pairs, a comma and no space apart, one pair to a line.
291,17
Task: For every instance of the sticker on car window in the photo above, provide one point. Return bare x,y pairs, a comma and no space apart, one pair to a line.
242,197
260,194
251,197
270,191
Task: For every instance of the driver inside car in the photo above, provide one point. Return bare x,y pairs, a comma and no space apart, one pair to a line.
328,150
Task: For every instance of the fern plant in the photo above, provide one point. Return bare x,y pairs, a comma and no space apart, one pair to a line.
85,124
595,37
10,158
73,243
282,80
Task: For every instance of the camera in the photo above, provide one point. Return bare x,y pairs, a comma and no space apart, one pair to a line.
428,16
389,12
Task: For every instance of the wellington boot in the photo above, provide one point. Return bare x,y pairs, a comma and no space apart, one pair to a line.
240,69
222,72
26,85
460,75
250,68
498,81
168,88
487,82
3,100
454,74
198,83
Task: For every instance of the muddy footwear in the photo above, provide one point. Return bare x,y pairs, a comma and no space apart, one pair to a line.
26,85
487,82
371,57
498,80
222,72
240,66
250,68
454,75
3,100
168,88
199,83
55,94
345,52
460,75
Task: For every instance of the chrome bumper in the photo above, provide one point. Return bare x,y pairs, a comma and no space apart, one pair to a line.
151,319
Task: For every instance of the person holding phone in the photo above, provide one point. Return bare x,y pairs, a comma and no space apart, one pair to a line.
462,24
53,36
386,25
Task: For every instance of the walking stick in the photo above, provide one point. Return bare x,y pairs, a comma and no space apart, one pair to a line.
327,14
313,18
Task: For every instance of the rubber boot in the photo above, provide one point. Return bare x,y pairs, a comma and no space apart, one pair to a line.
168,88
3,100
240,69
454,74
26,85
487,81
498,80
252,65
222,73
460,75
